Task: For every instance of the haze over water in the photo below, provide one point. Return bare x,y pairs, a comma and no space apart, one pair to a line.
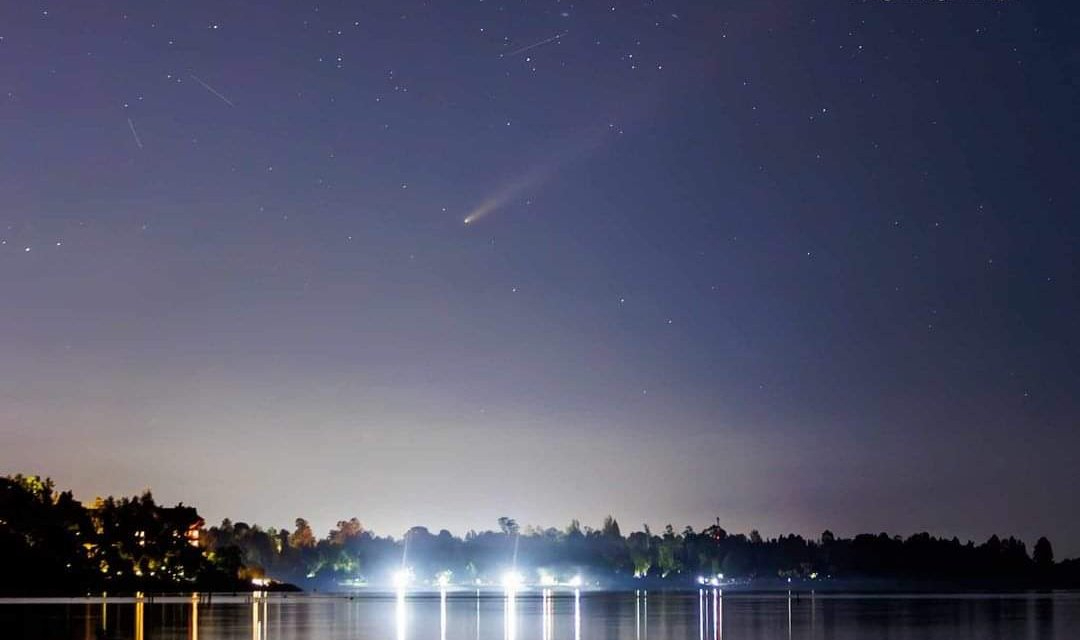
706,615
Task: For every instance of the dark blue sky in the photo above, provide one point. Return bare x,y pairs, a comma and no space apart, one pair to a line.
793,264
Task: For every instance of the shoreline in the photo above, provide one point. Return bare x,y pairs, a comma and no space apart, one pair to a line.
236,597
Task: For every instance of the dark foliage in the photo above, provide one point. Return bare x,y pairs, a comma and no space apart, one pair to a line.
51,543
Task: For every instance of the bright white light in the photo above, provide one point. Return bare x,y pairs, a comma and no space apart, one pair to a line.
714,582
701,579
576,581
443,580
402,578
512,580
719,576
547,580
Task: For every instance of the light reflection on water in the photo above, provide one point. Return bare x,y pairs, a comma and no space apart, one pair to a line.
708,614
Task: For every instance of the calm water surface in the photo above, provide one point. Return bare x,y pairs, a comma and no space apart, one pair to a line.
705,615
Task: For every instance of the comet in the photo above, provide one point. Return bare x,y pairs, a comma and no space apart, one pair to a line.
541,172
500,198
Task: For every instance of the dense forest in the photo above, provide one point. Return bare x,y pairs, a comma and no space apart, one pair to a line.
51,543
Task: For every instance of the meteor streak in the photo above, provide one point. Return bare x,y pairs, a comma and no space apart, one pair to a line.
134,133
534,45
210,89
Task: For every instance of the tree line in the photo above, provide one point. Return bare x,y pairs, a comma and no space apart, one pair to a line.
50,542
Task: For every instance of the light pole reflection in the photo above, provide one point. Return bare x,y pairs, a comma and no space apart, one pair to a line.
717,614
510,615
139,613
645,613
701,613
193,624
721,612
789,614
637,615
258,615
546,614
577,614
442,614
401,616
711,608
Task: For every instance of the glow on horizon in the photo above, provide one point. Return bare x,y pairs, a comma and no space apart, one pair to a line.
512,581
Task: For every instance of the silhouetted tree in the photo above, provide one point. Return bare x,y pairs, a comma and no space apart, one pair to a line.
610,528
1043,554
508,526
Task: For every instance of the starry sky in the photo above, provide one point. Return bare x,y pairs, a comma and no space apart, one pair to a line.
794,264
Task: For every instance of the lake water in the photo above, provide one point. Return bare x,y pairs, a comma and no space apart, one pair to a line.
706,615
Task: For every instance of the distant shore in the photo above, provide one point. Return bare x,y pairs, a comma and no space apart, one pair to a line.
51,544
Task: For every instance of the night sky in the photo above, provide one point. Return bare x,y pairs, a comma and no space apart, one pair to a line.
794,264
